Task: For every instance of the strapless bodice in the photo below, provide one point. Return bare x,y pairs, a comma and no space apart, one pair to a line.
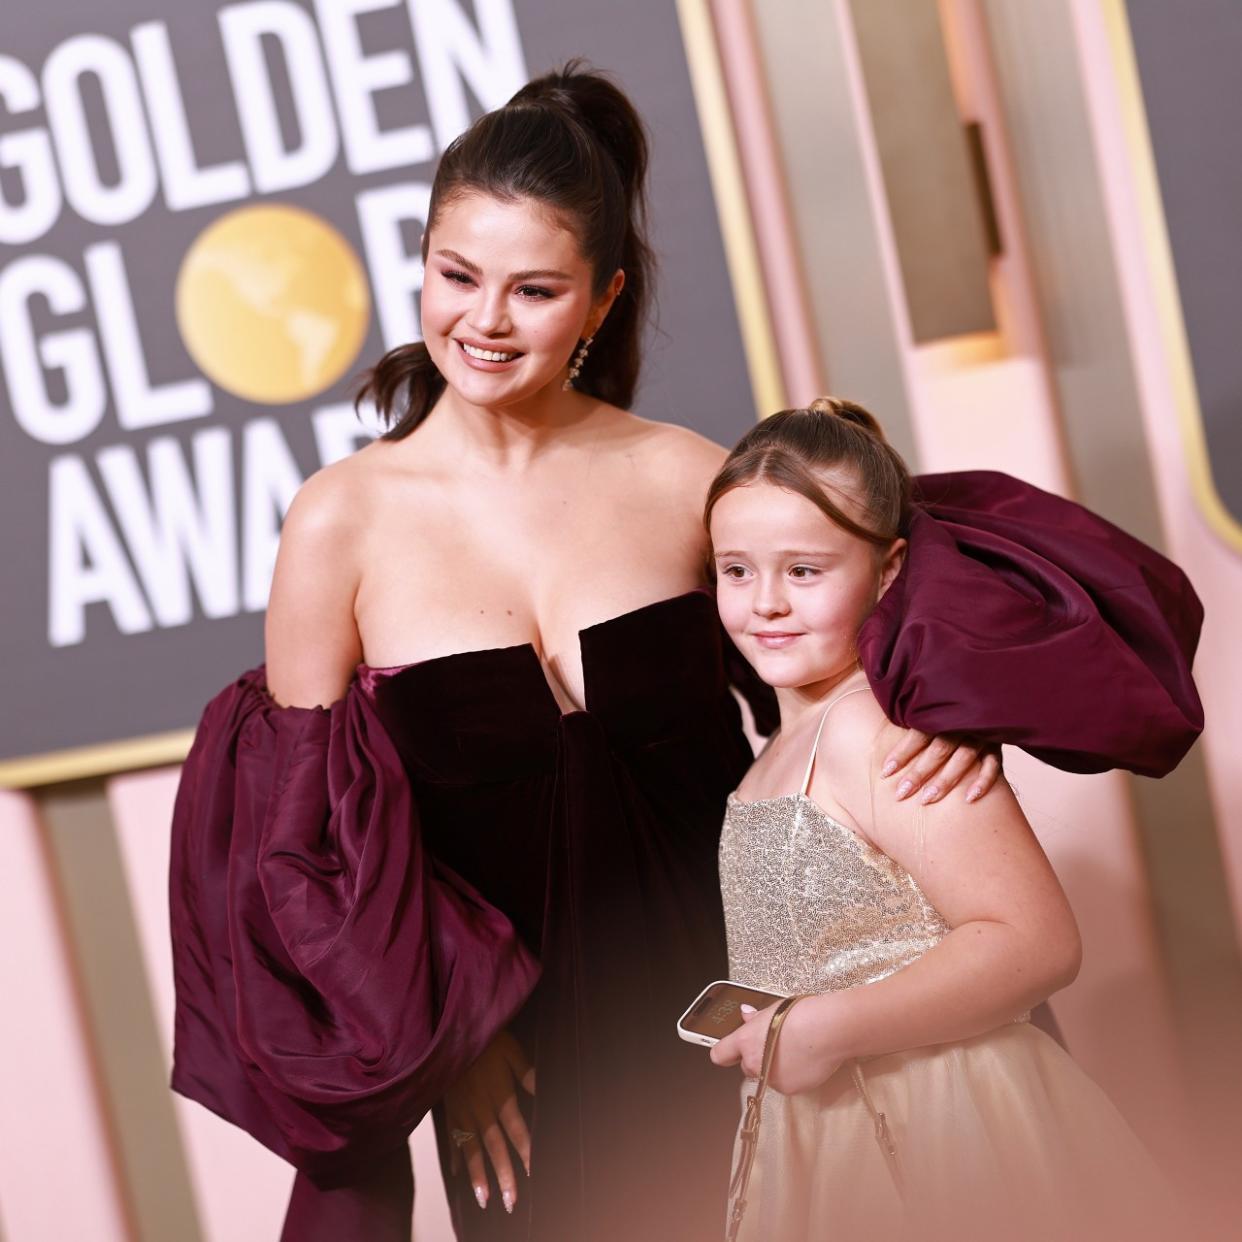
812,907
488,717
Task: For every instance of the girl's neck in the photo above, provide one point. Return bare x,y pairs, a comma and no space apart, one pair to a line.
797,702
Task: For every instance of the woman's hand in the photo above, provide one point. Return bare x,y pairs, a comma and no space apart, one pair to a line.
804,1057
484,1104
940,764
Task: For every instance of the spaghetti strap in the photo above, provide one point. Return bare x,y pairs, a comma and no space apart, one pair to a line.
810,763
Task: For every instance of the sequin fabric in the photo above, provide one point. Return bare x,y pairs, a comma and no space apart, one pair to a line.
812,907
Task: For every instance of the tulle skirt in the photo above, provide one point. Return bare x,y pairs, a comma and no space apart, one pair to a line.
997,1137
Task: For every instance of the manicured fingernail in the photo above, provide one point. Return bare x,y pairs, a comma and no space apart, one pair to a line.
889,768
904,790
480,1193
509,1198
975,794
930,794
748,1009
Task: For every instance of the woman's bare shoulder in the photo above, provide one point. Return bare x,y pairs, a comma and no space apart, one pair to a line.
675,454
339,499
680,442
330,506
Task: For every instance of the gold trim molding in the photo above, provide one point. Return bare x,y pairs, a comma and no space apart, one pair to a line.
104,759
732,206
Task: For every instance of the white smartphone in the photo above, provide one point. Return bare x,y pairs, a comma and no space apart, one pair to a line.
717,1011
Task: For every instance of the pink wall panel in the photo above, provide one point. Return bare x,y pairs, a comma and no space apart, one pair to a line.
241,1188
765,188
1149,295
987,400
57,1174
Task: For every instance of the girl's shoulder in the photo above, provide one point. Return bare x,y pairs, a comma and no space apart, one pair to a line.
856,735
854,726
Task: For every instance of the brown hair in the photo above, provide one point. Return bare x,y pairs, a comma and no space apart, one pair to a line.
792,449
570,140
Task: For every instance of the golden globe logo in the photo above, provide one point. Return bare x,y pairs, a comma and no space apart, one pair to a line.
272,304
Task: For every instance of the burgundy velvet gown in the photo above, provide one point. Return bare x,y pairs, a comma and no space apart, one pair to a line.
362,896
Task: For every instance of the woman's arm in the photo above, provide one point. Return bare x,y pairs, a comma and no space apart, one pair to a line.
1014,939
311,633
313,647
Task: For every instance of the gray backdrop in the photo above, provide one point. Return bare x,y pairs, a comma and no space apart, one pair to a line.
111,685
1188,58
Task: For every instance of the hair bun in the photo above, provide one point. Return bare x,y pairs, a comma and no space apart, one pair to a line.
850,413
598,104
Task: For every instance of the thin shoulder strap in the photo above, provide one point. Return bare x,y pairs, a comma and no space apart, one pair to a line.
810,763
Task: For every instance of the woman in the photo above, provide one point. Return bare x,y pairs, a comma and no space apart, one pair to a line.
498,604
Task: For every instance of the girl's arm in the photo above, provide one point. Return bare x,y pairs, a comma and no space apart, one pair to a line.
1014,939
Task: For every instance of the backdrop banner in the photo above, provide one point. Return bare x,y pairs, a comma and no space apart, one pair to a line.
1197,146
209,224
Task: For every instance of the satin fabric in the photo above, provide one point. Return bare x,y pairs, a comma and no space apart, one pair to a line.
1022,617
331,976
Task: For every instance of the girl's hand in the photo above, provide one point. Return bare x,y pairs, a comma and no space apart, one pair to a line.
804,1056
940,764
484,1104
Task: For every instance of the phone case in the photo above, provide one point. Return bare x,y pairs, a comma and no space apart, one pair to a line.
716,1011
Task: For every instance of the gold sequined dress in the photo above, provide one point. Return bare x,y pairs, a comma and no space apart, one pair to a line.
997,1137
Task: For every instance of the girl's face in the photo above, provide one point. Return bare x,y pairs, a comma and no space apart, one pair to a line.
506,297
792,587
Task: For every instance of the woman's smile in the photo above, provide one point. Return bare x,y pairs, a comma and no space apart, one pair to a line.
485,357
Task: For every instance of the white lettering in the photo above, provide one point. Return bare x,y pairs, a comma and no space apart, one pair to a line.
185,528
356,78
139,403
122,111
72,350
186,185
270,477
87,562
272,165
396,273
341,430
451,49
30,152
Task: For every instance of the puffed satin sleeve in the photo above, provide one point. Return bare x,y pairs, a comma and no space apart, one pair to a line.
1022,617
332,980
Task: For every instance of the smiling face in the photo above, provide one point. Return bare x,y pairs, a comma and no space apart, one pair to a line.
506,298
792,587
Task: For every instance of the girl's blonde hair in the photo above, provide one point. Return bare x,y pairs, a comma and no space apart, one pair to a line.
793,450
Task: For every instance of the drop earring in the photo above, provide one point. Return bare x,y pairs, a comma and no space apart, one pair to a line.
575,365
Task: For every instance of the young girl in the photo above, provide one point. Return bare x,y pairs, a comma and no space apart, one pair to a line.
910,1094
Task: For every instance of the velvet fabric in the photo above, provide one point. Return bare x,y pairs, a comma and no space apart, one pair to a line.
359,894
594,831
1022,617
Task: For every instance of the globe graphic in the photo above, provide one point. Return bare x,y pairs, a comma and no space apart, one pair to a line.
272,303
